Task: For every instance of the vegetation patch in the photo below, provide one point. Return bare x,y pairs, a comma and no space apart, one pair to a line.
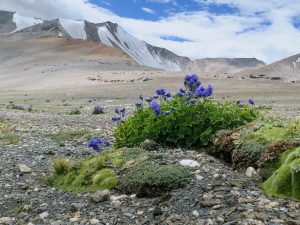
8,135
96,173
285,181
256,143
150,179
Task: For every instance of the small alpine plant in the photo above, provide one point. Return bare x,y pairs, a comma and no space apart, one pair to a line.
98,110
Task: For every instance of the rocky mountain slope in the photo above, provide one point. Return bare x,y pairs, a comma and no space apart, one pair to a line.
288,68
108,33
223,65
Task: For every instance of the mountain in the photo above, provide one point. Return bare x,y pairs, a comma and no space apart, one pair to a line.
108,33
288,68
223,65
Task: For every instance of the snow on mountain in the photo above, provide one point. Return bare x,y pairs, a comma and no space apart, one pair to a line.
107,33
76,29
23,21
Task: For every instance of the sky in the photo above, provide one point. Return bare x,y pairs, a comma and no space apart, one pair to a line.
268,30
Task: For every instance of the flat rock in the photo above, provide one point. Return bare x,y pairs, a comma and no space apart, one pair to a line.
189,163
25,169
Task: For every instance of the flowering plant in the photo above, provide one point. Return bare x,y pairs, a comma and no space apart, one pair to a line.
188,118
96,144
98,110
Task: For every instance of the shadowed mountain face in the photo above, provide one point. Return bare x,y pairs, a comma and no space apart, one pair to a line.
110,34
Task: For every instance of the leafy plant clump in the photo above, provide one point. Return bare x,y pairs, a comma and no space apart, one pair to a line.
148,179
98,110
186,119
285,181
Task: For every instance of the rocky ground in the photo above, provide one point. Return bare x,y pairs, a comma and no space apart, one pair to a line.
217,194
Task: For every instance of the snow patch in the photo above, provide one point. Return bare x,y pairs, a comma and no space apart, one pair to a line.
297,62
136,48
23,21
76,29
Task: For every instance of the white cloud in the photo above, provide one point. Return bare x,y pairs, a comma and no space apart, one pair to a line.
270,33
147,10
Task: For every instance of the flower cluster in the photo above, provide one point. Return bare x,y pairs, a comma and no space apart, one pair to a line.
120,115
191,82
156,108
241,104
96,144
98,110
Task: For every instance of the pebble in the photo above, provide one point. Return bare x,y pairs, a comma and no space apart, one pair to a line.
101,196
25,169
189,163
195,213
94,221
44,215
5,220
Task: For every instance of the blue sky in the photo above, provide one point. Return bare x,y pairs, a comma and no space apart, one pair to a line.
265,29
156,9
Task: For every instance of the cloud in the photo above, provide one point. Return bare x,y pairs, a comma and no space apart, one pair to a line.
147,10
266,30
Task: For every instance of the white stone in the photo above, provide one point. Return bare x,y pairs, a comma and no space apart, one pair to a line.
195,213
5,220
25,169
75,219
189,163
114,198
216,176
273,204
101,196
94,221
250,172
199,178
44,215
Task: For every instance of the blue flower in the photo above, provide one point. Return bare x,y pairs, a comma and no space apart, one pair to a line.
149,99
187,78
122,110
251,101
141,97
241,105
95,144
117,110
114,118
238,102
193,101
208,91
168,95
167,113
180,94
155,97
156,108
138,105
181,90
106,143
160,91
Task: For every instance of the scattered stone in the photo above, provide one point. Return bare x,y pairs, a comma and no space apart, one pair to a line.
101,196
189,163
44,215
195,213
5,220
94,221
25,169
250,172
149,145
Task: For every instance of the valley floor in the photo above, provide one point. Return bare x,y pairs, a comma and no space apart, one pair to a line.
217,194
